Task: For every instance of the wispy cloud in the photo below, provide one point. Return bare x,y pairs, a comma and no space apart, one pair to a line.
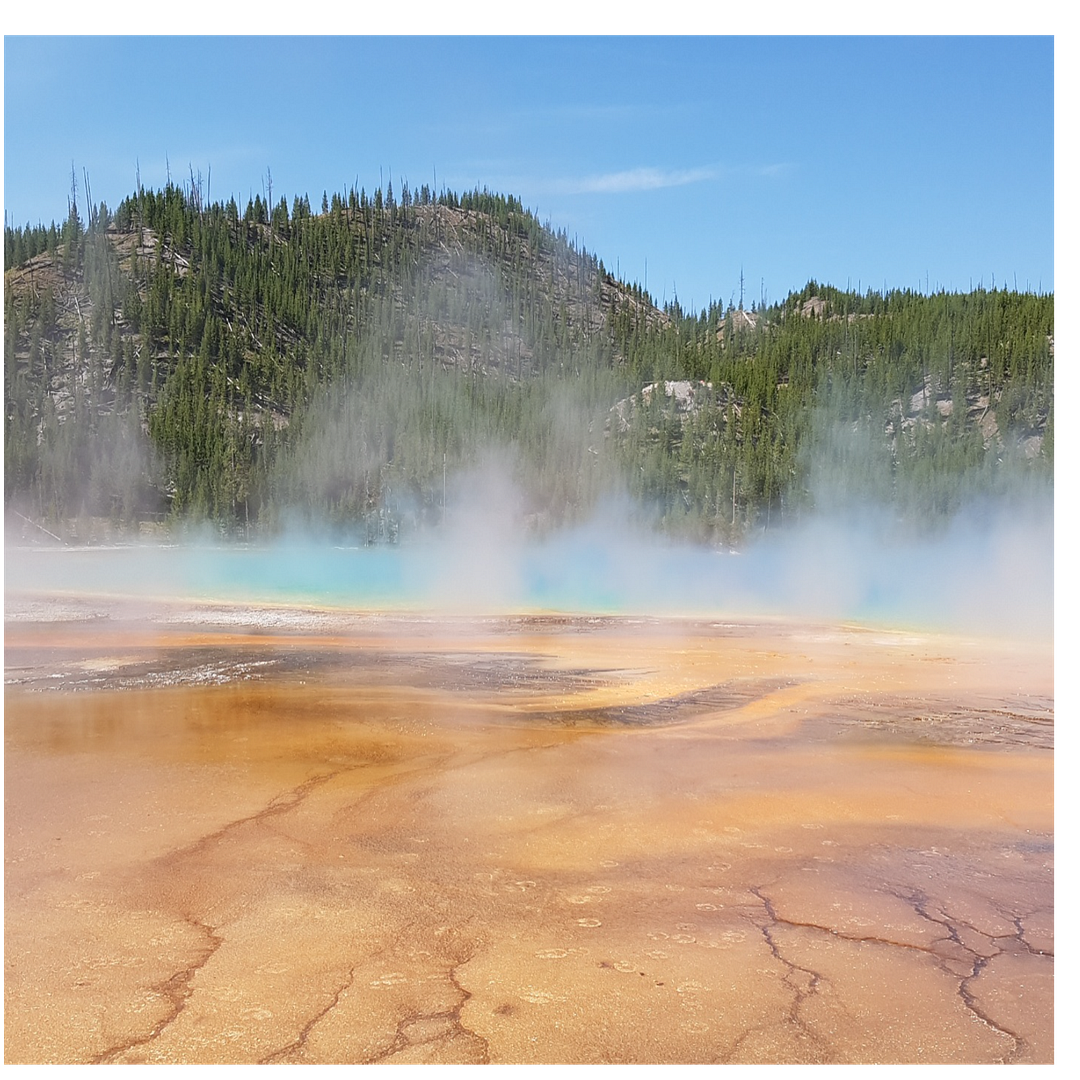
642,179
781,168
653,179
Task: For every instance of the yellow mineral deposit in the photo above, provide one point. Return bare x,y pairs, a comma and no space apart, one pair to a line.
390,838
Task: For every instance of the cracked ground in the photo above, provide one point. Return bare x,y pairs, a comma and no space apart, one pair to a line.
600,840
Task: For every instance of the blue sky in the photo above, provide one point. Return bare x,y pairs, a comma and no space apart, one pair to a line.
881,161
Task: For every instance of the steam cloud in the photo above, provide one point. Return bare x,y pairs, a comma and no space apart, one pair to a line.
990,571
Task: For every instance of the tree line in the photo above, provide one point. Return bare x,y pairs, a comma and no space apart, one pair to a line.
172,362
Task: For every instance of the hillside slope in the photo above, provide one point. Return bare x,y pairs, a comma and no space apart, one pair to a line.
172,362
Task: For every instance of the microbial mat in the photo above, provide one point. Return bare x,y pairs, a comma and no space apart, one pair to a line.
274,834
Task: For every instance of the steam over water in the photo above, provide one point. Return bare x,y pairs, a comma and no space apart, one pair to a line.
296,802
990,570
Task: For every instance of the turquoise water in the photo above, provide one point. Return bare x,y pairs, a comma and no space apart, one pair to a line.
992,579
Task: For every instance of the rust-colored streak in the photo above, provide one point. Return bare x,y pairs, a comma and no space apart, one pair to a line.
175,990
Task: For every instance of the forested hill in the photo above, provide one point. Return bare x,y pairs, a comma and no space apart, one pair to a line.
171,362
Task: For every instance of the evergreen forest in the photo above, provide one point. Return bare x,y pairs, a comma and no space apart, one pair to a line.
174,362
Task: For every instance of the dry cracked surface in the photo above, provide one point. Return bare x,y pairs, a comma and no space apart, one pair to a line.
526,841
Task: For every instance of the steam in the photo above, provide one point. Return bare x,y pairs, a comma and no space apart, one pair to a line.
455,520
989,572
